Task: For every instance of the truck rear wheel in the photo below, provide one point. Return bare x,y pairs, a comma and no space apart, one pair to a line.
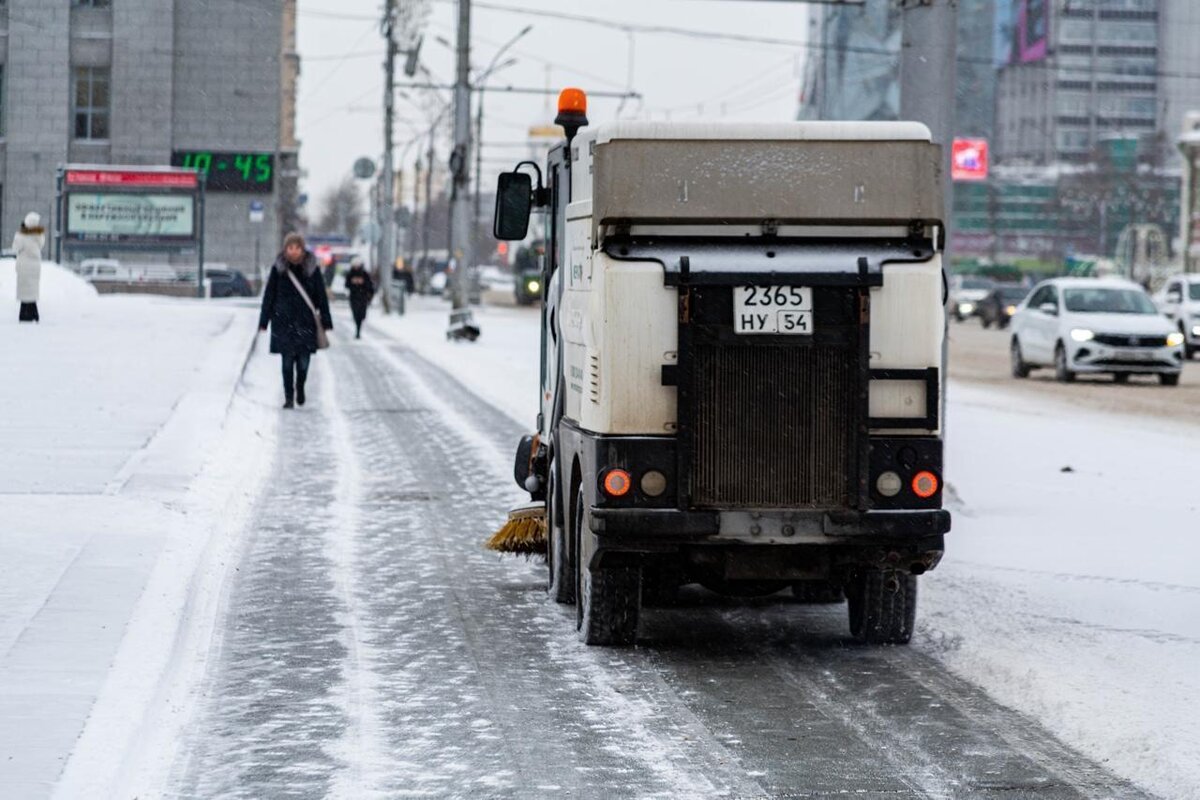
882,605
608,598
560,584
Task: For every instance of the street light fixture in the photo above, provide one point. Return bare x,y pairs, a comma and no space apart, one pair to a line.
480,82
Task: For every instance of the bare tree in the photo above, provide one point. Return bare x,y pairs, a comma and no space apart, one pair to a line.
341,208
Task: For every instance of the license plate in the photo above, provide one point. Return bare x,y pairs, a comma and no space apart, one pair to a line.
1136,355
784,310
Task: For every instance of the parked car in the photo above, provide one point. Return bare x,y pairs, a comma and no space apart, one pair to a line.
965,293
1000,304
104,270
1179,299
1094,325
229,283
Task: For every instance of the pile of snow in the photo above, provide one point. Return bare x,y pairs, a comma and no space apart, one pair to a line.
59,288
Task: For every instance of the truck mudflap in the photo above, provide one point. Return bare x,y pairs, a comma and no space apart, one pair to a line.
674,525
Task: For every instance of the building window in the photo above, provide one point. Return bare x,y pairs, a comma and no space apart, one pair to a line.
92,3
3,104
91,102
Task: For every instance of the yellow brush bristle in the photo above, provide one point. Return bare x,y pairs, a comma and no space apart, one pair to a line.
524,534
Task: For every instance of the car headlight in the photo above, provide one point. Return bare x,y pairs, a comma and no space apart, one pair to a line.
1082,335
966,308
1174,339
1196,330
1010,310
533,286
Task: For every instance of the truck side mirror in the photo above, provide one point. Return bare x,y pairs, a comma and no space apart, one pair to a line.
1049,308
514,201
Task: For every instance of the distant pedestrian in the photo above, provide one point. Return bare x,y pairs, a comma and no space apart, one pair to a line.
292,302
362,289
28,244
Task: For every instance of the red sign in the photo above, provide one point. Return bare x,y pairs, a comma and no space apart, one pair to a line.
969,160
132,179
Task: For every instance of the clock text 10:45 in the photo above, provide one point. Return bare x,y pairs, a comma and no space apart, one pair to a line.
230,171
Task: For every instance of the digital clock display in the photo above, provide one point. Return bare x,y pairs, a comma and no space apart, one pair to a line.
230,171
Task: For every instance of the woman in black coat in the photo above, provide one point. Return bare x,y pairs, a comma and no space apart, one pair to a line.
362,289
293,325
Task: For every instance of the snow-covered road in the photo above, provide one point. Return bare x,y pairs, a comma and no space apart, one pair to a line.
371,648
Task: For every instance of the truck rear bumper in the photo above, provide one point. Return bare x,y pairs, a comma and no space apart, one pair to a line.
672,526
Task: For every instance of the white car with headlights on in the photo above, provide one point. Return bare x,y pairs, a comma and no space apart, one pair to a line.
966,292
1179,299
1088,326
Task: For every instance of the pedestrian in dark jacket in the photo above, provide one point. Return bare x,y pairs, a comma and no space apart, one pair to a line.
362,289
293,324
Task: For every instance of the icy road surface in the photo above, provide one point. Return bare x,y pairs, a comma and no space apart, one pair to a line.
372,648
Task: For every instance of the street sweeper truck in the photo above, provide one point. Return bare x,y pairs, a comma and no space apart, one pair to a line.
742,366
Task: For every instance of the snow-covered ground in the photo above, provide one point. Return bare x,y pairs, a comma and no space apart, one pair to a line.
121,462
1070,590
129,466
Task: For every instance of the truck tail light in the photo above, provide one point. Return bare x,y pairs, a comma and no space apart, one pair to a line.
925,484
617,483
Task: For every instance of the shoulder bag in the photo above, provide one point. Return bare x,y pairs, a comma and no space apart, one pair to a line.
322,338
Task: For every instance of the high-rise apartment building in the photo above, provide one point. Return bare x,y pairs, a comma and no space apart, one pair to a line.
205,83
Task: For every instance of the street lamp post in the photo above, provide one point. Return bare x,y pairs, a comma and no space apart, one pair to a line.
481,84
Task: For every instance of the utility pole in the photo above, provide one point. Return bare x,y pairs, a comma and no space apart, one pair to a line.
412,224
928,51
460,207
928,54
428,232
387,247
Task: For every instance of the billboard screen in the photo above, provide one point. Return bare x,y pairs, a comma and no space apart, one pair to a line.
969,160
127,218
1031,33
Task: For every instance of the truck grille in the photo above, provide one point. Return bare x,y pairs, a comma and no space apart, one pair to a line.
773,426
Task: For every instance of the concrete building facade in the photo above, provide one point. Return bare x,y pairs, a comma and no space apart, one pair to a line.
1098,79
853,72
143,82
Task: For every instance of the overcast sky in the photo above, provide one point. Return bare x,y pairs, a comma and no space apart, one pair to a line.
341,85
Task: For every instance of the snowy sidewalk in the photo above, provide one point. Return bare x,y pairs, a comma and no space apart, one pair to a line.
111,408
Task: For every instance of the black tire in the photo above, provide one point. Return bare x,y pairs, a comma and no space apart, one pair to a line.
1062,372
609,598
560,582
818,592
1189,352
882,606
1120,377
1168,378
1019,368
984,321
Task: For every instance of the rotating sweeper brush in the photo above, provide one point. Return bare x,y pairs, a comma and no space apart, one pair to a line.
524,533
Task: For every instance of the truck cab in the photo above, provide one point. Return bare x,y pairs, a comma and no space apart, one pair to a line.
742,365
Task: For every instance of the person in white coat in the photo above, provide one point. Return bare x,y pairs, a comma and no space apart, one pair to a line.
28,244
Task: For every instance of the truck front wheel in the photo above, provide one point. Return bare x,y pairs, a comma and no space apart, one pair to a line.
883,606
608,599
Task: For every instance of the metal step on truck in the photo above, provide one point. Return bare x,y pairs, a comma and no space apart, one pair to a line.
742,364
